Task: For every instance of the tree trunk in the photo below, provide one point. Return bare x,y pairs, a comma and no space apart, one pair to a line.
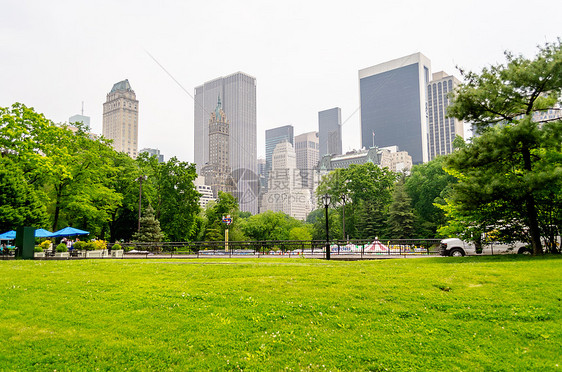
530,206
112,226
57,208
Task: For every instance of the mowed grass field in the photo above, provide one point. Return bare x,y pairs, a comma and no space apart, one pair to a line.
430,314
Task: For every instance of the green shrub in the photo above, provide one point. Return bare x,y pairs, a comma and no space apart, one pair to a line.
89,246
116,247
79,245
38,248
183,249
62,248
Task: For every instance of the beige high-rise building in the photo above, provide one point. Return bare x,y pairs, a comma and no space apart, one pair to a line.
121,119
307,149
308,154
442,129
285,192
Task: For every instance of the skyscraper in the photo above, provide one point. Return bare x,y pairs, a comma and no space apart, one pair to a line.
329,131
272,138
120,118
217,172
307,150
79,119
442,129
153,152
285,192
393,105
238,94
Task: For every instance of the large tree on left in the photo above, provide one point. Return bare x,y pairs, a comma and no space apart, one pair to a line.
68,167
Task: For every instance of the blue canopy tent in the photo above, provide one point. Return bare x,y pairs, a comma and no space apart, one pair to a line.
39,233
68,231
8,235
42,233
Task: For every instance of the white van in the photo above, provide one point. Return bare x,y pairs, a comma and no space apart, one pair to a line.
458,248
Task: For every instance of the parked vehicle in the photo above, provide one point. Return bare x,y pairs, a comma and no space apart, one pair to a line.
458,248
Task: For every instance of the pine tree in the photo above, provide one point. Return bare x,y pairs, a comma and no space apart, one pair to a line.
401,217
149,228
372,220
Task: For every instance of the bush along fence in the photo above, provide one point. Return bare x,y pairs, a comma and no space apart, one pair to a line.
310,248
307,248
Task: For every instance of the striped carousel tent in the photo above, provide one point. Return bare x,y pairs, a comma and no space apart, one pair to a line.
376,246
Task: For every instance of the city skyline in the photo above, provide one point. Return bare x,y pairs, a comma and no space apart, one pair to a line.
57,54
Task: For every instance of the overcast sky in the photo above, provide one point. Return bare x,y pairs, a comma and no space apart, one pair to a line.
305,54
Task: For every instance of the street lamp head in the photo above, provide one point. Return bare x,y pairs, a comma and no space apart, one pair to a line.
326,199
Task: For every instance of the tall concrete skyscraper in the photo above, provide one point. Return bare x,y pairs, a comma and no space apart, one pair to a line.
272,138
329,131
307,150
393,105
238,95
442,129
120,118
285,192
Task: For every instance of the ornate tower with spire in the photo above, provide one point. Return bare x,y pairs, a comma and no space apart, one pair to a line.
218,171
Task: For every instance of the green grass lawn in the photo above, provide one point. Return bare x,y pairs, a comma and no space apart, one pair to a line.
479,313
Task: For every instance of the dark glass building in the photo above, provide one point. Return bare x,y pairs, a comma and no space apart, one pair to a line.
329,132
393,105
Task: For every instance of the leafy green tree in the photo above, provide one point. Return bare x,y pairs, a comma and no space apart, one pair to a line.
301,233
170,188
335,225
369,191
79,169
427,186
401,217
149,228
225,205
20,203
270,225
124,216
69,167
506,173
314,215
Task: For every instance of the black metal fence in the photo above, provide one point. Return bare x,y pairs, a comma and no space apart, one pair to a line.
308,248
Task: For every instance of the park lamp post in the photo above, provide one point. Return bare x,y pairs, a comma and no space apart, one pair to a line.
326,201
140,179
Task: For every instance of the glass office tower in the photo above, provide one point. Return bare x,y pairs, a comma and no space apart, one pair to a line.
329,132
393,105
